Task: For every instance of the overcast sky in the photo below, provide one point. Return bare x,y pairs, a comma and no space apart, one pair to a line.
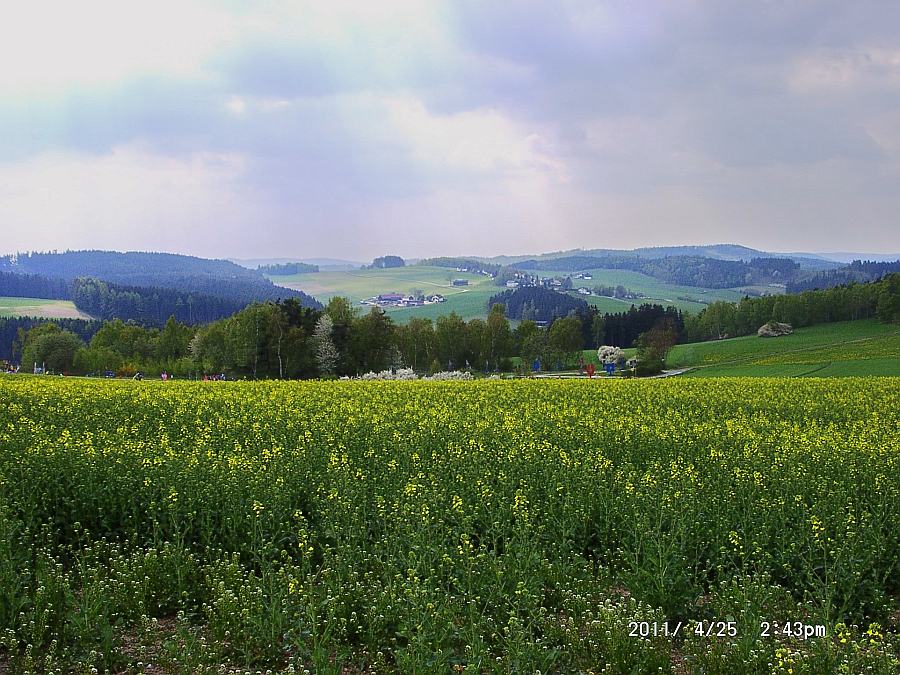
352,128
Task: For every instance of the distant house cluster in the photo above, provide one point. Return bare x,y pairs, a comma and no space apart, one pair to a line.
401,300
525,280
477,270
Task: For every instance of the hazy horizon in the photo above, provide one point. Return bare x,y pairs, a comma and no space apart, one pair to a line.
348,130
837,256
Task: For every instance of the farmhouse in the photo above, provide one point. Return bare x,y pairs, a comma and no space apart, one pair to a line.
460,282
389,299
413,301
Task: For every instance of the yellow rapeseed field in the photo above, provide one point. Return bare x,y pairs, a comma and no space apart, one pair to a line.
716,526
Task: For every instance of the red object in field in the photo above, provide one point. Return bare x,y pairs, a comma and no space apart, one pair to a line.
590,370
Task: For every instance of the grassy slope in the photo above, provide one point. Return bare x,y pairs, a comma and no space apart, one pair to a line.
469,302
753,347
38,307
828,350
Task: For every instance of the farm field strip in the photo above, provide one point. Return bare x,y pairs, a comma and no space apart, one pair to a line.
40,308
496,526
361,284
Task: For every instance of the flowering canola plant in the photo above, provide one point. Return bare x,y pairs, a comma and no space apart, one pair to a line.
420,526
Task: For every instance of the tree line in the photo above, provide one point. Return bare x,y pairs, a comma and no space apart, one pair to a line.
284,339
537,303
857,271
878,299
33,286
287,269
683,270
388,262
149,305
12,330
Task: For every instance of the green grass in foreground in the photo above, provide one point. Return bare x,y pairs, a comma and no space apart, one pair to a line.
858,348
39,307
850,348
753,347
849,368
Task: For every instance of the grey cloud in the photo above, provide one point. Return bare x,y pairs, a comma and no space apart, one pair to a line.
723,65
699,99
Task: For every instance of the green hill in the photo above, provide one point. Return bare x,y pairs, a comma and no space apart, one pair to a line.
849,348
471,302
468,301
686,298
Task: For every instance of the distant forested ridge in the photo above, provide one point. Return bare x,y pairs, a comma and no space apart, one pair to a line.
287,269
33,286
127,268
680,270
857,271
148,286
462,263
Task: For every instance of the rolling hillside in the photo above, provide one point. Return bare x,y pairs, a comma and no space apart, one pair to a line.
469,302
845,340
220,278
141,286
686,298
850,348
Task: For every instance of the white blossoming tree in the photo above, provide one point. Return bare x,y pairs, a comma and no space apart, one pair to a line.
326,352
607,354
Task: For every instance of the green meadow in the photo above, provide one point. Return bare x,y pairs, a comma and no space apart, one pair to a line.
470,301
39,307
850,348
